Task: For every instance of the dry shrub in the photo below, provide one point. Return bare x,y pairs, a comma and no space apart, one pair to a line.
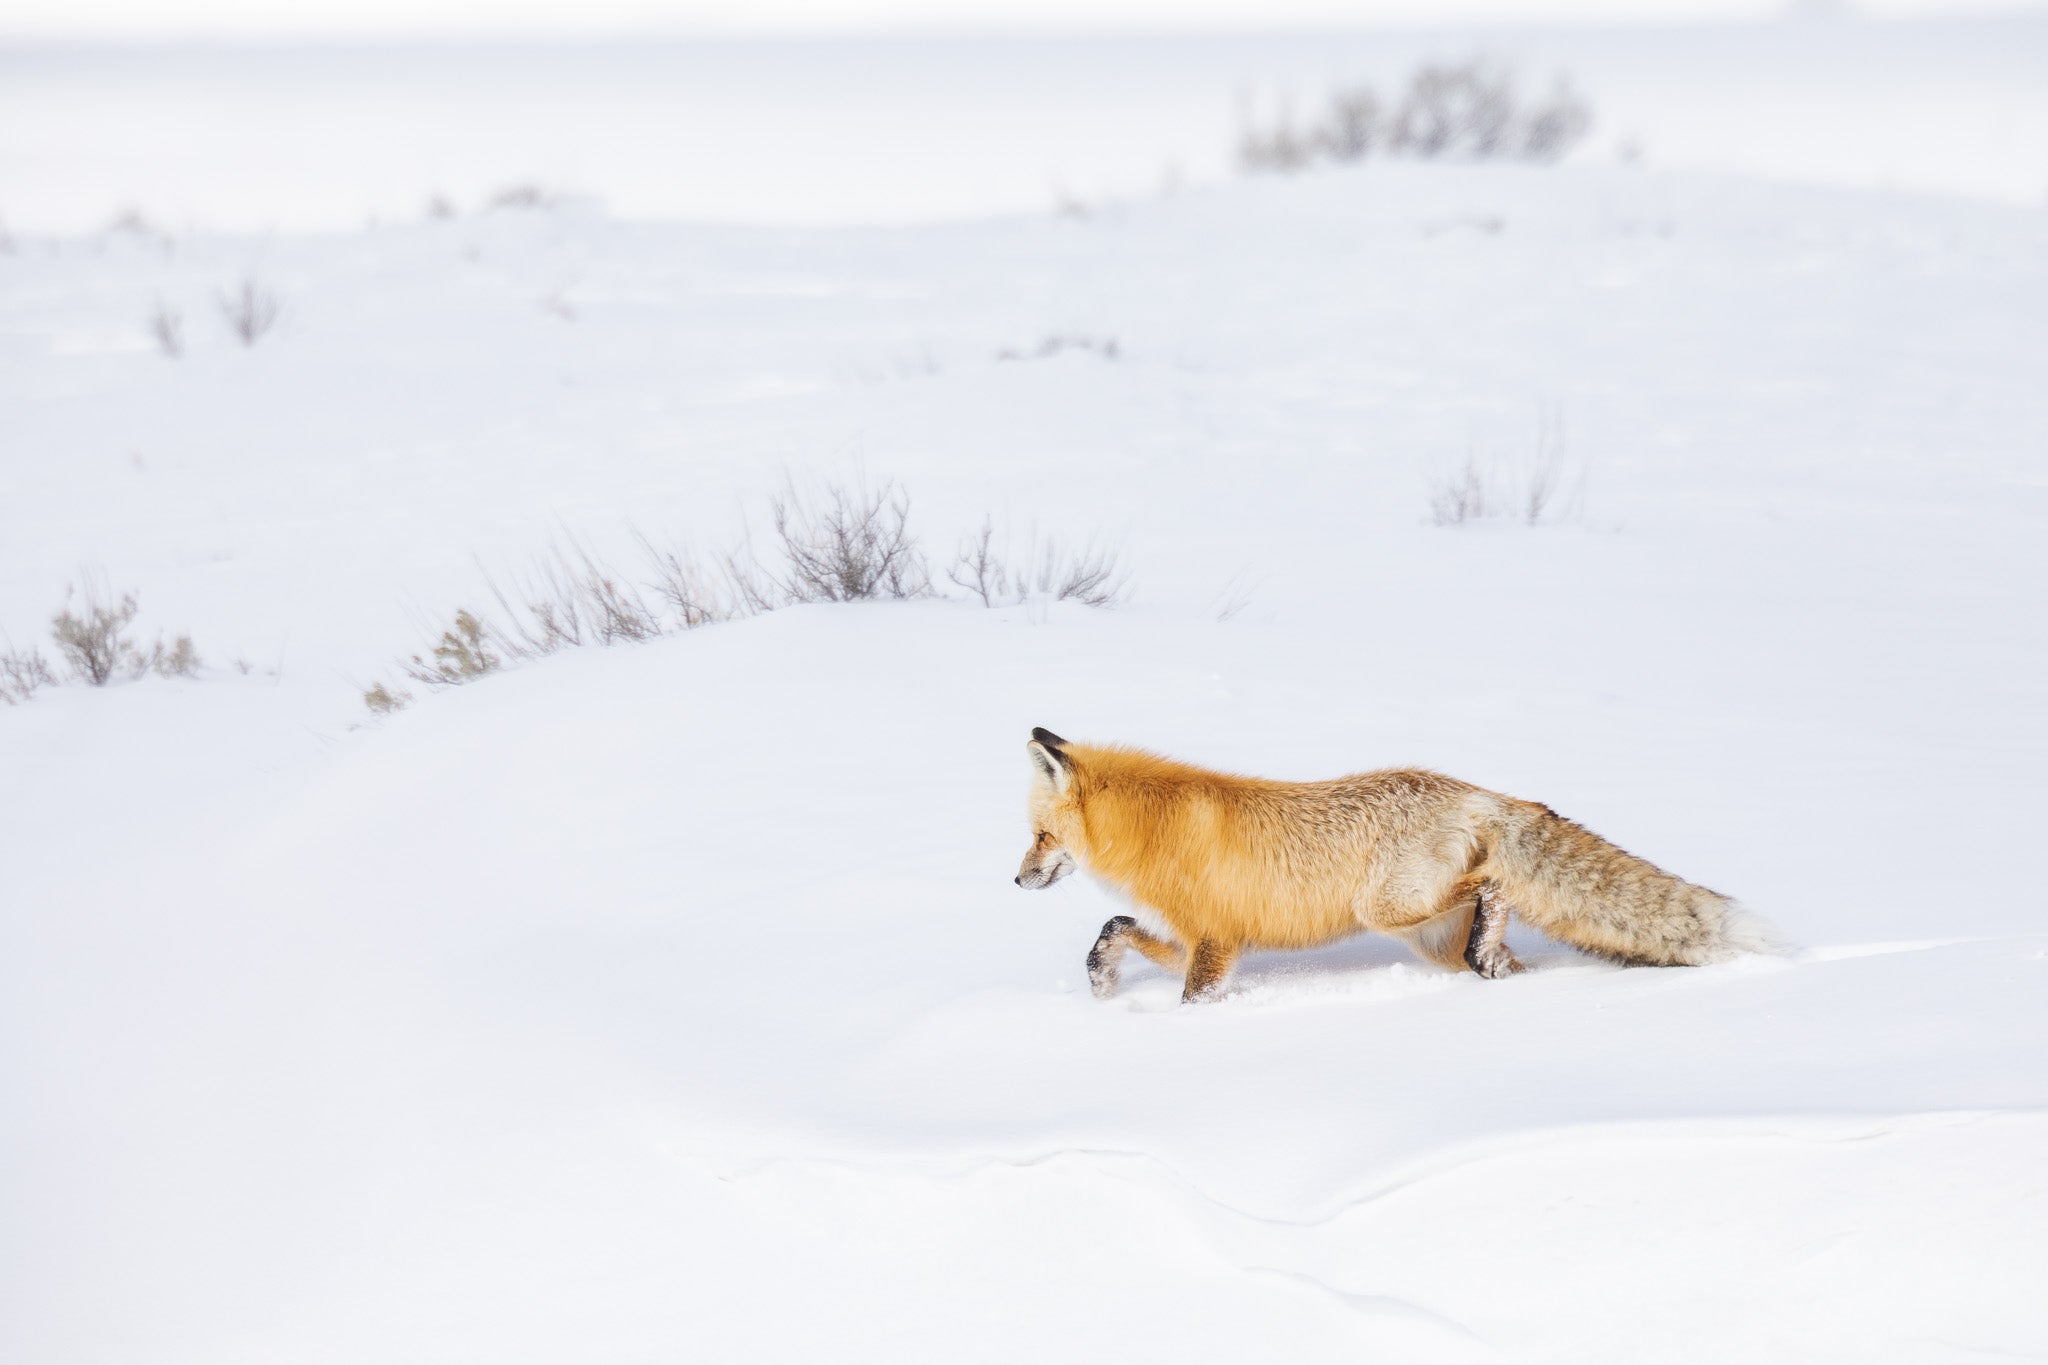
176,660
383,700
1449,109
1457,496
1523,489
847,543
94,640
1555,126
1047,570
980,569
21,673
96,646
688,592
527,195
167,329
1354,126
251,310
463,654
1542,471
1059,343
569,598
753,590
566,598
1465,110
836,542
1281,145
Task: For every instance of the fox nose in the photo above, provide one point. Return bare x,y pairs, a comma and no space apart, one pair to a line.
1019,879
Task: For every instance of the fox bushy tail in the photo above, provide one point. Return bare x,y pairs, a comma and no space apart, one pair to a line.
1575,886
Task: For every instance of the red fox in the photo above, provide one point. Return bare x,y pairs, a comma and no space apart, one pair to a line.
1230,863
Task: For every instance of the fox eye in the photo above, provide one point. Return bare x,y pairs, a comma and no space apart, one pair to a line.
1043,837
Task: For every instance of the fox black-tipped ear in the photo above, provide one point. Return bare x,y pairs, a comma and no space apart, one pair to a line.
1047,737
1051,766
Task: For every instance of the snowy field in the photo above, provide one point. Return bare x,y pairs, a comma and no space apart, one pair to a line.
672,1002
833,131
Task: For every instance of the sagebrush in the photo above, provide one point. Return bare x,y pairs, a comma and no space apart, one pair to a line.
847,543
251,310
22,672
1470,111
830,542
96,645
1047,570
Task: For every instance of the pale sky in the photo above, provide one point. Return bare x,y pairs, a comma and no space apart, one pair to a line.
131,19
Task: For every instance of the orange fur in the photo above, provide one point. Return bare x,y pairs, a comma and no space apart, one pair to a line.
1231,863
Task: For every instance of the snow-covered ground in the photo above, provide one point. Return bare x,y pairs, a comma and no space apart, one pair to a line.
264,138
674,1001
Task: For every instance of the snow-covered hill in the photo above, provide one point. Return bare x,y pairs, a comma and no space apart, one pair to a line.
674,1002
277,136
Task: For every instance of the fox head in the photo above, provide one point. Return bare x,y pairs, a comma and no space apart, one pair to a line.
1055,813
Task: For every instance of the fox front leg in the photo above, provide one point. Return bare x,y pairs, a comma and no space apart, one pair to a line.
1486,952
1107,955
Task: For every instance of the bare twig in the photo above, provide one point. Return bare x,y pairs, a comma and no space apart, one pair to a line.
167,328
251,311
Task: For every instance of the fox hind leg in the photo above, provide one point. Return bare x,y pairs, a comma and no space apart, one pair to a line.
1208,964
1442,938
1106,957
1487,951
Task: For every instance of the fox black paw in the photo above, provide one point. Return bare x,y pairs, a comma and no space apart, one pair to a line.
1102,958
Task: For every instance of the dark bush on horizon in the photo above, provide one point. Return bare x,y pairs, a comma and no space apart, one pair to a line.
1464,111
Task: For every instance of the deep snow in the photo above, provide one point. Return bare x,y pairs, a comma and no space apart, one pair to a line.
279,137
674,1001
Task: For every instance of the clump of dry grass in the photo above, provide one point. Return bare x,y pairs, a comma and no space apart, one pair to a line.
1525,488
383,700
565,599
462,654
